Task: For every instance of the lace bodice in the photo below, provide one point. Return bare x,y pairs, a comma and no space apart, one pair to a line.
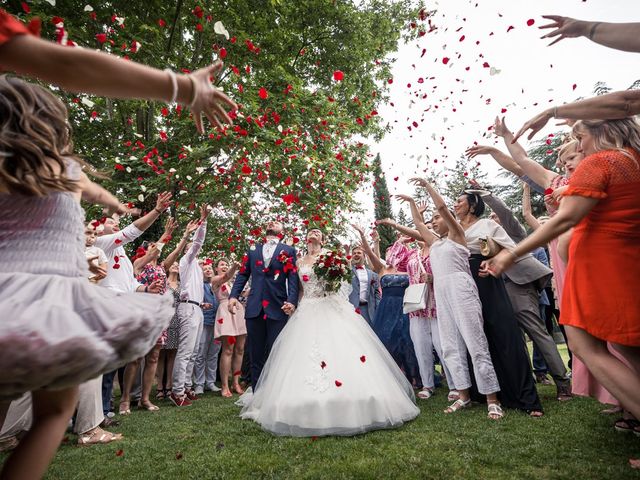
312,286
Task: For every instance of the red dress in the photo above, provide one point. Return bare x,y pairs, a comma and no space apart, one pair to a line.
601,285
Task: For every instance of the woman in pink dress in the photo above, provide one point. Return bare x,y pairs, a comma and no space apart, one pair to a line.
230,328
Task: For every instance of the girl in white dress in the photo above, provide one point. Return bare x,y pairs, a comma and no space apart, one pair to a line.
328,374
57,330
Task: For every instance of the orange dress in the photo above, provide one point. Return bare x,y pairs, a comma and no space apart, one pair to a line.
601,285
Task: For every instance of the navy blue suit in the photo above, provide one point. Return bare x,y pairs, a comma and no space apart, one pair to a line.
270,287
368,311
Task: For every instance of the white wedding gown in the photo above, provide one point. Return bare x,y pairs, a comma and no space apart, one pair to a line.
328,374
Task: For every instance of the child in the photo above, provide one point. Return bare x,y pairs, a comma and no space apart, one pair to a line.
57,329
95,256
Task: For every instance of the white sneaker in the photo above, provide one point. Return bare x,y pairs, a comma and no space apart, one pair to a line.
213,388
199,390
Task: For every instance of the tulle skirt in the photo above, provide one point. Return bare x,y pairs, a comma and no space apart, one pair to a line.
58,331
329,374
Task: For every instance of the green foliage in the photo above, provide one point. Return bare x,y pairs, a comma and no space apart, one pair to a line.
292,152
457,178
382,205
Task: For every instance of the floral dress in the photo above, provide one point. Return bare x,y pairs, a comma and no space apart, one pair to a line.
149,274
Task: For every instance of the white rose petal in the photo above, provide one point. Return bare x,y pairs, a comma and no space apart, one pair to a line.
87,102
143,188
141,198
182,192
88,8
51,2
219,28
128,169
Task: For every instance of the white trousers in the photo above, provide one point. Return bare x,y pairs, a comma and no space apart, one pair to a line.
207,359
425,336
190,320
460,321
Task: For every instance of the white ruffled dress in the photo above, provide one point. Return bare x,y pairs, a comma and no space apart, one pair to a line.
57,329
328,373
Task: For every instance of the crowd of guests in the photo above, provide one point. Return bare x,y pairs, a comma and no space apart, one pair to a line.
178,323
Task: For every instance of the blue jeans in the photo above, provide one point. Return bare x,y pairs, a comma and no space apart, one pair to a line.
107,391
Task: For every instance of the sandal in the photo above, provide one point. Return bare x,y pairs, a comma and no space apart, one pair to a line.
148,406
535,413
124,408
161,394
453,396
627,425
425,394
611,411
494,411
458,405
97,436
564,393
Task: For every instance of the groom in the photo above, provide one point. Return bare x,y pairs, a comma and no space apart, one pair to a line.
273,297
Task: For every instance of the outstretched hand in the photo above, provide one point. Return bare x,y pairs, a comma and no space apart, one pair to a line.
163,201
471,152
421,182
208,99
403,198
565,27
500,127
534,124
358,229
385,221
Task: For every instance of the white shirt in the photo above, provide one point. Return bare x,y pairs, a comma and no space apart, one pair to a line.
94,251
363,278
120,278
190,270
268,249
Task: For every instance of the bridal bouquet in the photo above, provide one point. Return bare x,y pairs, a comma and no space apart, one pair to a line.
333,268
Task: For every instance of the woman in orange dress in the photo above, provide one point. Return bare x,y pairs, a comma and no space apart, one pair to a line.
602,204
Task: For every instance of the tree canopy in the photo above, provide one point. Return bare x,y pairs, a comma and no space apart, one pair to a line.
308,76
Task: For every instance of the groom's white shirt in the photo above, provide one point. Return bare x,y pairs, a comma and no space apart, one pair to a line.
268,249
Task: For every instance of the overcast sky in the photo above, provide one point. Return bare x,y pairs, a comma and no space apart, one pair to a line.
464,95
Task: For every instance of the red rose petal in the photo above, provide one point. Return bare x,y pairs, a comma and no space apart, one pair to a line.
221,321
338,75
119,453
338,383
231,340
363,359
263,93
445,60
530,22
548,191
323,364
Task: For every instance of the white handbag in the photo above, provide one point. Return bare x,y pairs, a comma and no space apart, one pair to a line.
416,295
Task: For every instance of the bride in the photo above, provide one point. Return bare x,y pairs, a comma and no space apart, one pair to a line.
327,373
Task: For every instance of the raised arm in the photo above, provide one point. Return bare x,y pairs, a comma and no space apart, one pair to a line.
507,219
198,240
94,193
375,236
621,36
89,71
531,169
409,232
152,253
456,233
173,256
527,213
426,235
223,278
611,106
504,160
376,262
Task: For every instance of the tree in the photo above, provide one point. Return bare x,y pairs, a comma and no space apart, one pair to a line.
457,178
382,205
305,97
403,218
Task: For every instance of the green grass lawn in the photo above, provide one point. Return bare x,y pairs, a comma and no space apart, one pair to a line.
209,441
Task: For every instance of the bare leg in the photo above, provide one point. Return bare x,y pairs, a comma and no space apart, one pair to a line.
51,413
171,359
148,375
225,365
615,376
130,373
236,363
